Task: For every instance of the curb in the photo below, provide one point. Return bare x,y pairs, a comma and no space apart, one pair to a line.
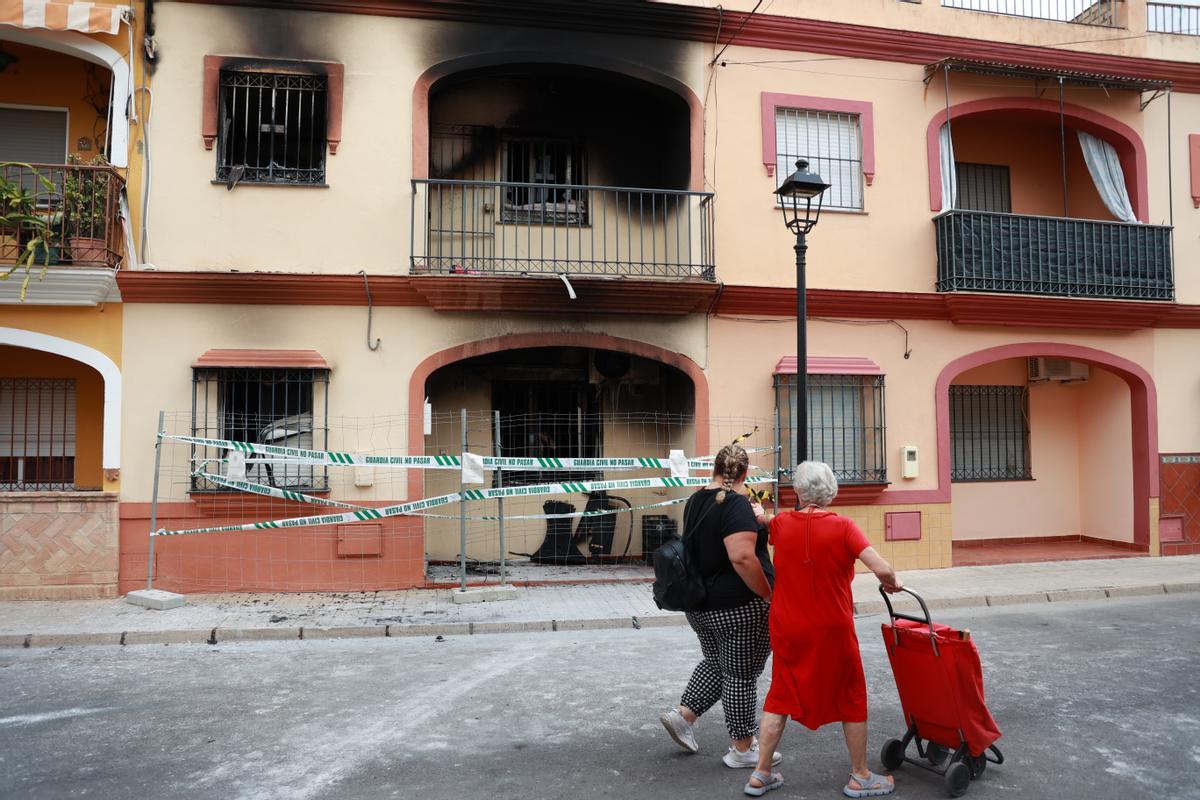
214,636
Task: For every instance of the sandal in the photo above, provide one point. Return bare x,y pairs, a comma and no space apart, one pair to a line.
769,782
871,786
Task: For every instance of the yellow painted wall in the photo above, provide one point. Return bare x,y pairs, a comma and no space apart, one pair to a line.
44,78
18,362
99,328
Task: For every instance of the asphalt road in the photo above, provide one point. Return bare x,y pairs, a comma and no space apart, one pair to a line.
1096,700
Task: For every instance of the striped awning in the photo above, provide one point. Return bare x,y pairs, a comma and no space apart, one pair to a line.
62,15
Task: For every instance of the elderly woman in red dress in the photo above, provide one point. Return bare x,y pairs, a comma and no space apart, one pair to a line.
817,674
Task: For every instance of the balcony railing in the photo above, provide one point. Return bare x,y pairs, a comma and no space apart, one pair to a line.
1080,12
508,228
1012,253
1173,18
60,215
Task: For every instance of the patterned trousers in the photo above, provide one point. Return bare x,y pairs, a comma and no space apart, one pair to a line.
735,643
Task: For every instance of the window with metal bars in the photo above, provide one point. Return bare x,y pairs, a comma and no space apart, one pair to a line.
266,405
37,434
831,143
271,128
846,425
983,187
559,166
989,433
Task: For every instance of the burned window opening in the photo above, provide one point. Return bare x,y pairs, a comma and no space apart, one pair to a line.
283,407
272,128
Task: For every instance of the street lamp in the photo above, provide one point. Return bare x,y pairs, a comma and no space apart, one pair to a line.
796,196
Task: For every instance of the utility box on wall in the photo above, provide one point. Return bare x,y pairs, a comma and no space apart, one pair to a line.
902,526
909,466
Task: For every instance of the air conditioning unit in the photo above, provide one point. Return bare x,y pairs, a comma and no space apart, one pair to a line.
1061,370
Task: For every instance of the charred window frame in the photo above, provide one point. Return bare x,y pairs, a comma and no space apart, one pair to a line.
545,180
263,405
846,425
989,433
272,128
37,434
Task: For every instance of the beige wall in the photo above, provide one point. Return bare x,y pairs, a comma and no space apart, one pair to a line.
167,339
361,219
1185,119
1048,505
930,17
1105,459
1177,379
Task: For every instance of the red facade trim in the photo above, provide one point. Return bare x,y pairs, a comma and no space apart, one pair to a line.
421,373
288,359
693,23
487,294
334,73
830,365
1126,140
772,101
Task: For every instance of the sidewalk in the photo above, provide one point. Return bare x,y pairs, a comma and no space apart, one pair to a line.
429,612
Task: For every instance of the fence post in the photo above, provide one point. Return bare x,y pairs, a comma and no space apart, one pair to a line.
500,500
462,511
154,501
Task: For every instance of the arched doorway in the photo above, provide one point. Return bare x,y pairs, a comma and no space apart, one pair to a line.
555,397
1050,447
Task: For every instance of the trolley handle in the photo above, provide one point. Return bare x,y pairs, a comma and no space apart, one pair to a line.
927,621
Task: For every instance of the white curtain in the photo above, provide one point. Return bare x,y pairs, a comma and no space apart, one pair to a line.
949,178
1105,166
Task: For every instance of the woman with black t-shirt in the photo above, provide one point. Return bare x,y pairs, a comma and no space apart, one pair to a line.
731,554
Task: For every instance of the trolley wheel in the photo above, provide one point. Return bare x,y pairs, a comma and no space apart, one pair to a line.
958,779
892,754
977,764
936,753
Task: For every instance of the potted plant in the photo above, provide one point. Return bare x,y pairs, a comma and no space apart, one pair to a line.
26,236
85,199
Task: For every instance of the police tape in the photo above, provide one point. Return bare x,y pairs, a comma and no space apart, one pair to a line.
367,514
566,515
297,455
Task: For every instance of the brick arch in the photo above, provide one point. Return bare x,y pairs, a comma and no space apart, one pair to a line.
1143,407
1125,139
428,78
520,341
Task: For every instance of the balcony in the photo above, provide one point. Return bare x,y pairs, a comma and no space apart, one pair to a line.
981,251
1173,18
475,227
1102,13
61,233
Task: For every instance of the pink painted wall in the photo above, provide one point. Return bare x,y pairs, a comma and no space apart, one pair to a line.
1105,461
1031,151
1049,504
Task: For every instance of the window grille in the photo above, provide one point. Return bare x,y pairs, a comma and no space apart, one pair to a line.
284,407
37,434
558,166
831,142
983,187
989,433
845,425
271,128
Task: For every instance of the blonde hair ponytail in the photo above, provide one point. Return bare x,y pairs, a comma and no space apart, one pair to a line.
731,465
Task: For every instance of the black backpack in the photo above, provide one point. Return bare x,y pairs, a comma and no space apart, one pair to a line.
678,586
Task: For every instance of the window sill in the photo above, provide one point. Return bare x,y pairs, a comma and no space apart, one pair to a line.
55,494
854,212
280,184
992,480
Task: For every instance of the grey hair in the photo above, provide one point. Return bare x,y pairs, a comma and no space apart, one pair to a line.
814,483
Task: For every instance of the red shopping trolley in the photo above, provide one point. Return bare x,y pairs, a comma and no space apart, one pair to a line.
940,682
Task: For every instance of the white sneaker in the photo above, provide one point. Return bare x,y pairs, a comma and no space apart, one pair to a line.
680,730
736,759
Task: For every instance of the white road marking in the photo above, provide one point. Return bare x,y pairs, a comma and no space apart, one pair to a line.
30,719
